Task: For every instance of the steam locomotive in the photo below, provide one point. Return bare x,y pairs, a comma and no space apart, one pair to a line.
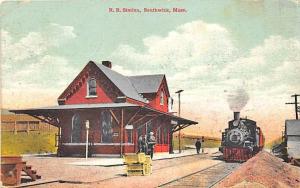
241,140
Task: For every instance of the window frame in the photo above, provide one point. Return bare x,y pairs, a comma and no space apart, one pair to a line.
102,114
88,88
161,98
129,139
73,126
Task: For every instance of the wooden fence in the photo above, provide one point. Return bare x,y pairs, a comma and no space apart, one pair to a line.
24,123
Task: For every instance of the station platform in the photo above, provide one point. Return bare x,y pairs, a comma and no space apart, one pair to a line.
107,161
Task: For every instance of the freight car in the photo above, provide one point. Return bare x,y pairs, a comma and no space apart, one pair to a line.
289,149
241,140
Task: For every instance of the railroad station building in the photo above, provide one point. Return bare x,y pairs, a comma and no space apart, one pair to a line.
117,109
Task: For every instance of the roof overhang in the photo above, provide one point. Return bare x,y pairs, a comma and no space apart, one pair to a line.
75,106
50,114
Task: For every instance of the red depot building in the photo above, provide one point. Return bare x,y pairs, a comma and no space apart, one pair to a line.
118,108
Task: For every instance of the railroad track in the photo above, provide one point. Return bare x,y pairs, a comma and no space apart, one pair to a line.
207,177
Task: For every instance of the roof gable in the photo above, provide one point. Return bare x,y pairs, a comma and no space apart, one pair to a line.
147,83
131,86
122,82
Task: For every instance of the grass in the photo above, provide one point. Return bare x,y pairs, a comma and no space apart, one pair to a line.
208,143
23,143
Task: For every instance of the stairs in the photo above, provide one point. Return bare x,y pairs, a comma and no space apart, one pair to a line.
30,172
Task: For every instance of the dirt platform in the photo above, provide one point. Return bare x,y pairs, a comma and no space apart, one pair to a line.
263,170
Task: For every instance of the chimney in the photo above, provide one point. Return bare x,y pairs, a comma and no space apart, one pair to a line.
107,64
236,115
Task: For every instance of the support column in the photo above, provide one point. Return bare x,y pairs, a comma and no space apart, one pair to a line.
171,141
121,132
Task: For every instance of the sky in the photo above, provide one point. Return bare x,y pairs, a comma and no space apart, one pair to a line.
226,55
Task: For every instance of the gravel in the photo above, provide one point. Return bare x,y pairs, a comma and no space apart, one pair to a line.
263,170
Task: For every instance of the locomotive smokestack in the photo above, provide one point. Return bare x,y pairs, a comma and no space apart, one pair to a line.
236,115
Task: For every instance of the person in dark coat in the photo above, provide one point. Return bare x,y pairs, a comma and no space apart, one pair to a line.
142,144
198,145
151,141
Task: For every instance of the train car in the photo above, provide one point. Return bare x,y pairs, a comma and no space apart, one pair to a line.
241,140
289,149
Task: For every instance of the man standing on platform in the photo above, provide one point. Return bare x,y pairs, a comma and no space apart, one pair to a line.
198,145
151,141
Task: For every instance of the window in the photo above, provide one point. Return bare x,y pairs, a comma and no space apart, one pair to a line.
149,127
165,135
106,127
76,126
129,135
158,136
161,98
91,87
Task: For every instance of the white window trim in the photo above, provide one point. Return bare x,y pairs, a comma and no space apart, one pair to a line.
87,89
161,98
91,96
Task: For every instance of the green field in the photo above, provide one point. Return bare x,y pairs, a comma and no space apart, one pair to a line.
208,143
23,143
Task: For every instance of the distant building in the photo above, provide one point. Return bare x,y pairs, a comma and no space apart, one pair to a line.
118,108
11,122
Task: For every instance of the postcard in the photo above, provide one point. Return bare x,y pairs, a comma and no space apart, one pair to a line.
161,93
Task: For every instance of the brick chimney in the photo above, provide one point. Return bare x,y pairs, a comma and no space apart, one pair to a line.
107,64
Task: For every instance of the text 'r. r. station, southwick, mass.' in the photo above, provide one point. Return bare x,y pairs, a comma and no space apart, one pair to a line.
147,10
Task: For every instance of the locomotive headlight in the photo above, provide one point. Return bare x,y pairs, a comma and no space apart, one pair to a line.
235,136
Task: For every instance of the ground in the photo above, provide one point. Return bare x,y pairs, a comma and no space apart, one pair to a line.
90,176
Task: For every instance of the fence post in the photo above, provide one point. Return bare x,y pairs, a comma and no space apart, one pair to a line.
27,127
15,127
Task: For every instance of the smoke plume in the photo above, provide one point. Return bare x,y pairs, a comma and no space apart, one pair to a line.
237,99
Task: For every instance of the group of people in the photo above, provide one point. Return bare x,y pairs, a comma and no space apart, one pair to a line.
146,144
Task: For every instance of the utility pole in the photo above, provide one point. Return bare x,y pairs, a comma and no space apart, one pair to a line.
297,108
179,109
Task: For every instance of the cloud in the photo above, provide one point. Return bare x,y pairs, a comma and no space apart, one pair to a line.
28,66
275,63
295,1
192,51
34,43
201,58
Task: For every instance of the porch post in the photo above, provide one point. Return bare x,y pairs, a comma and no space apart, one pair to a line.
171,141
121,132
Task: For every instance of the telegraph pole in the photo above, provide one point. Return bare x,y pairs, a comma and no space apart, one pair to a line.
178,92
297,108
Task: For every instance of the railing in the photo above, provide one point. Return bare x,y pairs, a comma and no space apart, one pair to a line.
26,126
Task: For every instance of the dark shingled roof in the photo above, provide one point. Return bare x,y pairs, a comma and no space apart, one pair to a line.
122,82
146,83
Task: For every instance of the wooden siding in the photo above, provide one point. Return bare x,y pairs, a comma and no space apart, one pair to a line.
23,123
